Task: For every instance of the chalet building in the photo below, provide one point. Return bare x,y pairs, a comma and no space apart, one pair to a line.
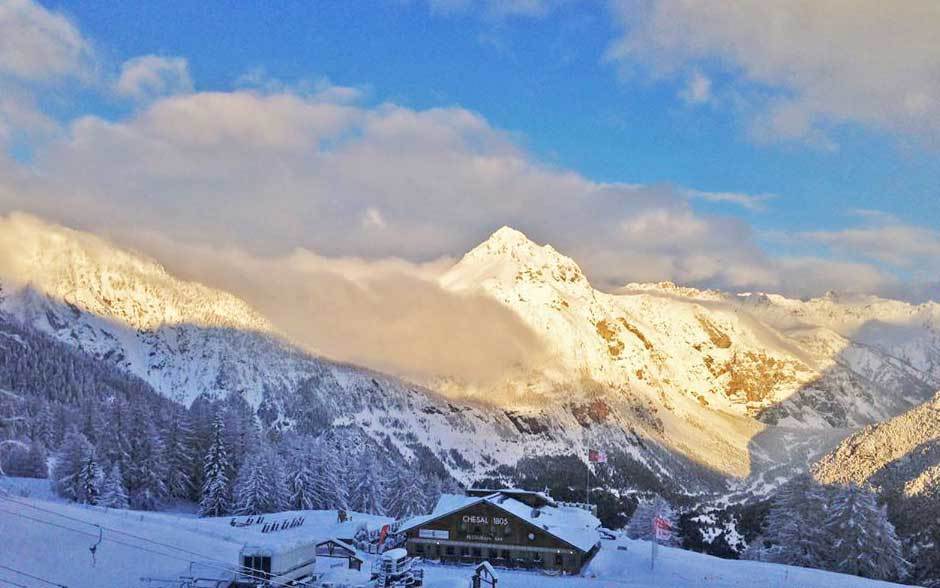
508,528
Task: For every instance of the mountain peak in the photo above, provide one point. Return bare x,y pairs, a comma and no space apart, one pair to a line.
509,257
508,235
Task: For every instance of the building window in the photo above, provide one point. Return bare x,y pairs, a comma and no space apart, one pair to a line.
259,565
493,554
477,552
559,560
505,554
465,551
419,547
450,550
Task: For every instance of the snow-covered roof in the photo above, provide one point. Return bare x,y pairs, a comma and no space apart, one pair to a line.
488,567
523,495
319,525
395,554
569,523
355,552
573,525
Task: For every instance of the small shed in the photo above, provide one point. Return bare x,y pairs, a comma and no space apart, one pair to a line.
484,576
339,549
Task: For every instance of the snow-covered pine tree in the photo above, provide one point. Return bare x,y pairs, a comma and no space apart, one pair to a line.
331,486
113,494
405,496
178,455
369,493
433,488
864,542
259,487
794,527
242,436
301,480
74,455
215,499
145,471
89,481
641,523
115,447
43,427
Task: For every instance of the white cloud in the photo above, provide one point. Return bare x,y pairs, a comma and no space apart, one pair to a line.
271,172
496,8
697,90
150,76
38,48
900,245
749,201
39,45
807,64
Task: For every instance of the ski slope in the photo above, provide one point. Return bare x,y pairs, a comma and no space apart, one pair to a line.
51,540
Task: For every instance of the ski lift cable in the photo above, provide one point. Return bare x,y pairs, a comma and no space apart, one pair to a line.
112,530
50,582
201,557
12,583
210,563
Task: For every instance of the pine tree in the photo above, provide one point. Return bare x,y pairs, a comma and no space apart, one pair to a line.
406,496
641,523
76,453
301,481
113,494
215,489
864,542
43,427
331,485
794,524
432,490
89,481
241,430
178,456
260,485
369,490
145,472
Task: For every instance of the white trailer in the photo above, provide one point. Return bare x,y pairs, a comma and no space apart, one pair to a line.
278,565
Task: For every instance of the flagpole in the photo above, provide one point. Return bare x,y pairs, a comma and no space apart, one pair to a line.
587,482
653,546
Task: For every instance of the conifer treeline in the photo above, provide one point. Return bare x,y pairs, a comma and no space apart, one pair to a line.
116,442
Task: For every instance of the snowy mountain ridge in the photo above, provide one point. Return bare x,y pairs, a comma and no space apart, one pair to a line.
683,382
817,363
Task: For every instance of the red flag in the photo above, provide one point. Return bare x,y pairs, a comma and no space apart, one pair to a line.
663,528
383,534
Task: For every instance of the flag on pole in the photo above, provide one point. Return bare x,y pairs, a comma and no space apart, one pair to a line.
596,456
383,533
663,529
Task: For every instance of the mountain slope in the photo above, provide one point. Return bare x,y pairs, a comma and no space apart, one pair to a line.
900,459
777,359
684,387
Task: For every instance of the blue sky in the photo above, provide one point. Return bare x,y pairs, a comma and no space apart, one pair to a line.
551,78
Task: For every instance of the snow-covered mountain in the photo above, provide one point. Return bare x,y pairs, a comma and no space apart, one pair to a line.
686,385
823,362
